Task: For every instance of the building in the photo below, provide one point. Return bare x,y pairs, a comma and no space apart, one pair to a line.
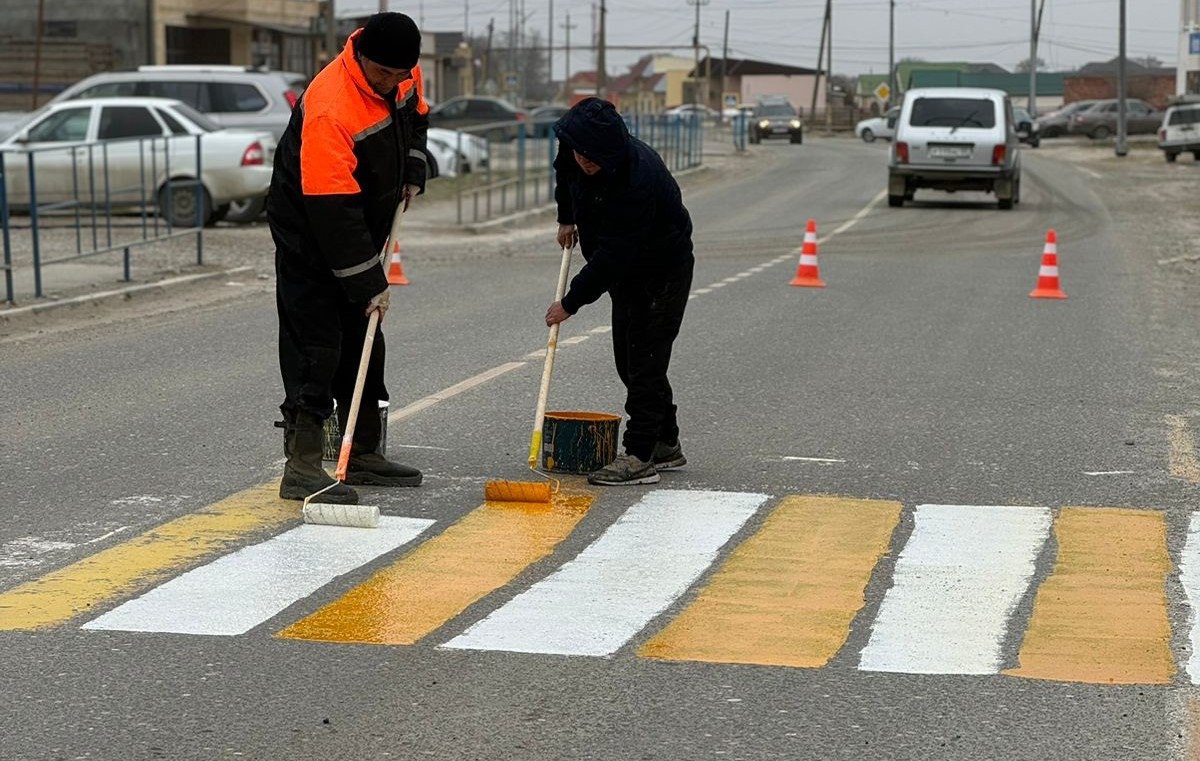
1098,81
741,80
1187,75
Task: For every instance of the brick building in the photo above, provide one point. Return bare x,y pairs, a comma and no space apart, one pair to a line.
1098,81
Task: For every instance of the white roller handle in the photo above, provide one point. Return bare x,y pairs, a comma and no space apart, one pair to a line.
535,440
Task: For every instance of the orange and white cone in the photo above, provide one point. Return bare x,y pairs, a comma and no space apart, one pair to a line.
808,274
1047,284
395,273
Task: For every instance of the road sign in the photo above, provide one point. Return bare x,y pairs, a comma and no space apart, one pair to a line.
883,92
730,99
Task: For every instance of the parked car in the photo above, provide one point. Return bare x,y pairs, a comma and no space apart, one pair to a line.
142,138
1054,124
466,111
955,139
692,110
776,119
457,152
1099,120
1180,131
543,118
1027,127
244,97
883,126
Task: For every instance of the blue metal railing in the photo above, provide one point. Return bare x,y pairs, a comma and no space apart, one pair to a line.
93,203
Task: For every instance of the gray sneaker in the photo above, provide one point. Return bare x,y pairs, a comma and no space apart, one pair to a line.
626,470
667,457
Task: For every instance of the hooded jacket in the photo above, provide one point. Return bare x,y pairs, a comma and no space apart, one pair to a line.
339,169
630,215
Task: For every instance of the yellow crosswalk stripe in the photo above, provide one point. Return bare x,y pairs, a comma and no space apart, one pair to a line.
788,594
144,561
1101,616
420,592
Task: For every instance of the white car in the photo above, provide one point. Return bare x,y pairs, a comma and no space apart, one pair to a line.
880,126
456,152
1180,131
131,152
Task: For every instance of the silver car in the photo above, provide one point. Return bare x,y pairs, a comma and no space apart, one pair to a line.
955,139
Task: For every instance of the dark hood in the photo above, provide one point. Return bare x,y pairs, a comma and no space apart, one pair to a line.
594,128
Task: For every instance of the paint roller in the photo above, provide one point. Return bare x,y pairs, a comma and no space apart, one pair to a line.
535,491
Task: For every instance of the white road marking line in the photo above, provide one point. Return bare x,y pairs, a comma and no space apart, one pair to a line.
102,537
1108,472
1090,173
418,446
28,551
452,391
601,329
692,296
718,285
733,279
701,291
956,584
1182,461
1189,578
600,600
809,459
864,211
237,592
573,340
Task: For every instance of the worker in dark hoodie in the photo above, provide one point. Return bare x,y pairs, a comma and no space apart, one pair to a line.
618,200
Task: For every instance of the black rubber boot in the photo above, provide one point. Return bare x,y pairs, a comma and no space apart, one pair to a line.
303,439
368,467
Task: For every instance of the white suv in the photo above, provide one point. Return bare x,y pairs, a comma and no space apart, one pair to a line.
955,138
1180,131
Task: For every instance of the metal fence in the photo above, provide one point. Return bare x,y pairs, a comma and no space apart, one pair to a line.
78,191
517,167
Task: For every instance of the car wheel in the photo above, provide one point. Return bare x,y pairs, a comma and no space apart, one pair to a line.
895,201
184,204
868,136
1034,143
244,210
798,138
1100,133
1196,155
1170,157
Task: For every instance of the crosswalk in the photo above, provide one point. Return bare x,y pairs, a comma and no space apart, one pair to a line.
684,576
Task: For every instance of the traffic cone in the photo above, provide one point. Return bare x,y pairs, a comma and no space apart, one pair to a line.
1047,284
807,273
395,274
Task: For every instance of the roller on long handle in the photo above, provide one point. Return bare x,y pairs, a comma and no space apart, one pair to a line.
360,516
534,491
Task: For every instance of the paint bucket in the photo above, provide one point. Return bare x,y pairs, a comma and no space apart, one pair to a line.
579,442
333,434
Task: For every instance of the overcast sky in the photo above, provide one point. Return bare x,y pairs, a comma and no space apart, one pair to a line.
1074,32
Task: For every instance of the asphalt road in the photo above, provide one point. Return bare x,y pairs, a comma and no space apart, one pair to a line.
923,374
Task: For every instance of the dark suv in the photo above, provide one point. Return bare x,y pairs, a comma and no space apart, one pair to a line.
776,119
467,111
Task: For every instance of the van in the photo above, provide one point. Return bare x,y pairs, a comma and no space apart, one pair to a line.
955,139
1180,131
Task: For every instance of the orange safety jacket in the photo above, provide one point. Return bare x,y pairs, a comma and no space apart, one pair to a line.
339,170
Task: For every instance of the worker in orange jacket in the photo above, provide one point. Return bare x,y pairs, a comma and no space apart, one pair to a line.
353,155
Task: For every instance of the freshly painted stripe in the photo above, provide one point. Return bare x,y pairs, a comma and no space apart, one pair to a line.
702,291
573,340
145,560
1108,472
1101,616
601,329
794,458
1189,578
236,593
594,604
956,584
718,285
787,595
438,580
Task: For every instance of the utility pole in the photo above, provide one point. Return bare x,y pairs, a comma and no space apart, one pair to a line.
37,52
1122,146
568,26
829,67
725,68
891,53
550,46
696,51
601,74
812,109
382,6
487,53
330,32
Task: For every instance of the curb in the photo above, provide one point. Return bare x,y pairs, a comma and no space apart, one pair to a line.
120,293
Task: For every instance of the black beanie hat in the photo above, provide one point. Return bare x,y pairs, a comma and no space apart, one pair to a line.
391,40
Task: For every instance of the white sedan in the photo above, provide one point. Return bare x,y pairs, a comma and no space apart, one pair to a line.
880,126
456,152
133,152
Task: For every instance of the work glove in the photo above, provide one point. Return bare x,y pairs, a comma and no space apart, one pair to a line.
410,192
380,302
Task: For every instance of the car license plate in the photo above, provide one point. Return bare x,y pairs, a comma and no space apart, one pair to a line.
949,151
779,129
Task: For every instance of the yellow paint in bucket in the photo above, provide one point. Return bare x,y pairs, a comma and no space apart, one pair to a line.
579,442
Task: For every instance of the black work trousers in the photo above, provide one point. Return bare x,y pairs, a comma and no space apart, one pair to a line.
321,336
646,315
